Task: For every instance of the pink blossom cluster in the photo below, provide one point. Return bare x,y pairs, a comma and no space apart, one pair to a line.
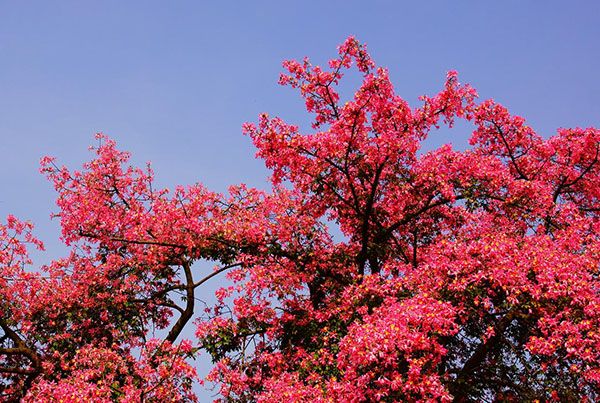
460,275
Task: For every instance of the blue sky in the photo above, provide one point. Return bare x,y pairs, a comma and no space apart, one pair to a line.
172,82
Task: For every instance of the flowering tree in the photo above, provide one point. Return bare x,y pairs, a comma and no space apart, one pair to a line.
467,275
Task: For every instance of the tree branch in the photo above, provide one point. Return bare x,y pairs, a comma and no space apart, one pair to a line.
188,312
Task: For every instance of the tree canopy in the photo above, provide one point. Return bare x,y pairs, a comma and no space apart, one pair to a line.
461,275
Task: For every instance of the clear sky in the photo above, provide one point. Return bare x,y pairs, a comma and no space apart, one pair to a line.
172,81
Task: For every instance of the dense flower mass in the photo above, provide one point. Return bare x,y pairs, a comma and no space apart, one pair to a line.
461,275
